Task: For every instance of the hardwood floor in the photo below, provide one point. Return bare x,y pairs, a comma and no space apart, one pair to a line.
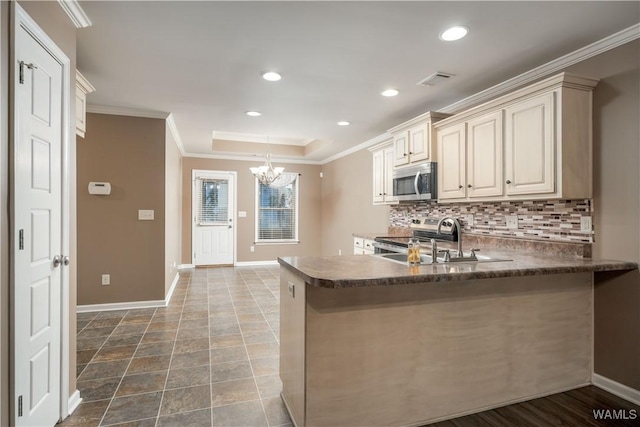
573,408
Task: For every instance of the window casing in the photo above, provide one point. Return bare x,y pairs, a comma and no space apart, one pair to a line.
277,210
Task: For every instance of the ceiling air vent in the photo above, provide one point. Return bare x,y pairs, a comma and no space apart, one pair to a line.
434,79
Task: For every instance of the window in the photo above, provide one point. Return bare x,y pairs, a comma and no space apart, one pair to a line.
213,200
277,210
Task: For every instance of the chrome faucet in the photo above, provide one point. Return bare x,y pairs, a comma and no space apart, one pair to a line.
458,231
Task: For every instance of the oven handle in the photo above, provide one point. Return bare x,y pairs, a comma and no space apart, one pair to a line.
415,183
379,246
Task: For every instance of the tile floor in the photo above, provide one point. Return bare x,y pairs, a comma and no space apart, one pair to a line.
208,359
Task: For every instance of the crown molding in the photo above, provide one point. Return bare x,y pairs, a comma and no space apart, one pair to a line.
249,137
625,36
83,84
76,13
121,111
174,132
385,137
251,158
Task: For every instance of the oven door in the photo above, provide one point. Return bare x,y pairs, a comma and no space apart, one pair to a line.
415,183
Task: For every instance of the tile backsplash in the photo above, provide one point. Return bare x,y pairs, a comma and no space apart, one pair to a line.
557,220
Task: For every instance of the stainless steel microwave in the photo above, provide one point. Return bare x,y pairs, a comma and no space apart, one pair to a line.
415,182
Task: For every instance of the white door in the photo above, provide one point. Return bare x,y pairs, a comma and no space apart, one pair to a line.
484,156
401,148
420,144
213,214
387,176
451,162
378,176
37,228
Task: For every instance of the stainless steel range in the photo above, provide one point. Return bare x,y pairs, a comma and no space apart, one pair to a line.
425,229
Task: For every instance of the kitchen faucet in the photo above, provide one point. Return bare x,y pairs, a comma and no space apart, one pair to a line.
458,231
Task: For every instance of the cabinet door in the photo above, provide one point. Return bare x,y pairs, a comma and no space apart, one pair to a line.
419,144
451,162
378,176
401,148
387,188
530,146
484,156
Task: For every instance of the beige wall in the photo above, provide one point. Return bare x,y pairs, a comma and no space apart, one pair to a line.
309,204
128,152
173,209
616,102
347,206
52,19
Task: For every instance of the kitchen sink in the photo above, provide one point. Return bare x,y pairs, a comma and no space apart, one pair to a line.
426,259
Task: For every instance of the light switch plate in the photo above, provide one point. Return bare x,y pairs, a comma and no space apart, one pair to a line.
512,221
586,225
146,215
291,289
468,219
106,279
242,214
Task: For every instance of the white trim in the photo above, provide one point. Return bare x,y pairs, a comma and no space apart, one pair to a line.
120,306
174,132
260,139
76,13
186,267
256,263
251,158
83,84
614,387
550,67
131,112
167,298
368,143
74,401
256,224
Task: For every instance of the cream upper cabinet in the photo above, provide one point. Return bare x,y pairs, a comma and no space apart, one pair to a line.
83,87
530,148
451,162
412,139
383,161
534,143
484,156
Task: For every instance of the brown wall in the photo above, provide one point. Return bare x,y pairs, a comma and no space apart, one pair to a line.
309,204
616,105
128,152
347,203
172,209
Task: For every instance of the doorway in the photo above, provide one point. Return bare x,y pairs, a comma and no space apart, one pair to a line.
213,211
39,226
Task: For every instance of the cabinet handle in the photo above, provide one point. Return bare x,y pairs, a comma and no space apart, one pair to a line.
404,155
508,181
469,185
379,194
460,186
410,153
384,194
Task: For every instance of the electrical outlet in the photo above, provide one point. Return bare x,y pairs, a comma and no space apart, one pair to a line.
512,221
292,289
252,248
106,279
339,251
585,224
468,219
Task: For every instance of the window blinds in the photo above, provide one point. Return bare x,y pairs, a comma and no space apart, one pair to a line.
213,201
277,209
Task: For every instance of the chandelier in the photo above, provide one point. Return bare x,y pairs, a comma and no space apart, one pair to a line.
266,173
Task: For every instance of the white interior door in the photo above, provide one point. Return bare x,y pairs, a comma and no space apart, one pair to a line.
213,214
37,228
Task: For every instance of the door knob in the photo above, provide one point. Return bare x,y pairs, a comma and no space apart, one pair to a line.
65,260
56,261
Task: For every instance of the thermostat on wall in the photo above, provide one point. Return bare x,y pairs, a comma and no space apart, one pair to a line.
100,188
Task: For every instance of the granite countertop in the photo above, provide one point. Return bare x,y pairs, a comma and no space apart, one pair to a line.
370,270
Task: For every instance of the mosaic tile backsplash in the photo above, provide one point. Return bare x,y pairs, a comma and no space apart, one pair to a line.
557,220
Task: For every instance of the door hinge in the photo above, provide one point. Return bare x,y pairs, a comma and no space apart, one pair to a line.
19,406
22,65
21,240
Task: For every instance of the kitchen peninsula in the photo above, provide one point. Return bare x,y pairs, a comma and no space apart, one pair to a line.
366,341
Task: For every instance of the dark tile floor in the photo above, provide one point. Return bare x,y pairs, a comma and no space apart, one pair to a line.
208,359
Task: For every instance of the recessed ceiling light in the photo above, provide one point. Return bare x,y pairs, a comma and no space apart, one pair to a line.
253,113
271,76
454,33
390,92
344,123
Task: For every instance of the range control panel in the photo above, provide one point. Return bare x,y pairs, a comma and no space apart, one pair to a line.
431,224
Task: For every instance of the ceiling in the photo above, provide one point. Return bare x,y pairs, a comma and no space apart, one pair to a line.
202,62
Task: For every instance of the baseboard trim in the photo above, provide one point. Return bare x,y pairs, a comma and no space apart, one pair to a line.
74,401
255,263
167,298
120,306
614,387
186,266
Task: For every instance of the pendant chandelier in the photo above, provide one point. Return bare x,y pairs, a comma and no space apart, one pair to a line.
266,173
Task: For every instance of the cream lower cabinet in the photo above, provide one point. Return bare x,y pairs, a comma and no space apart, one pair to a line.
535,143
383,174
362,246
